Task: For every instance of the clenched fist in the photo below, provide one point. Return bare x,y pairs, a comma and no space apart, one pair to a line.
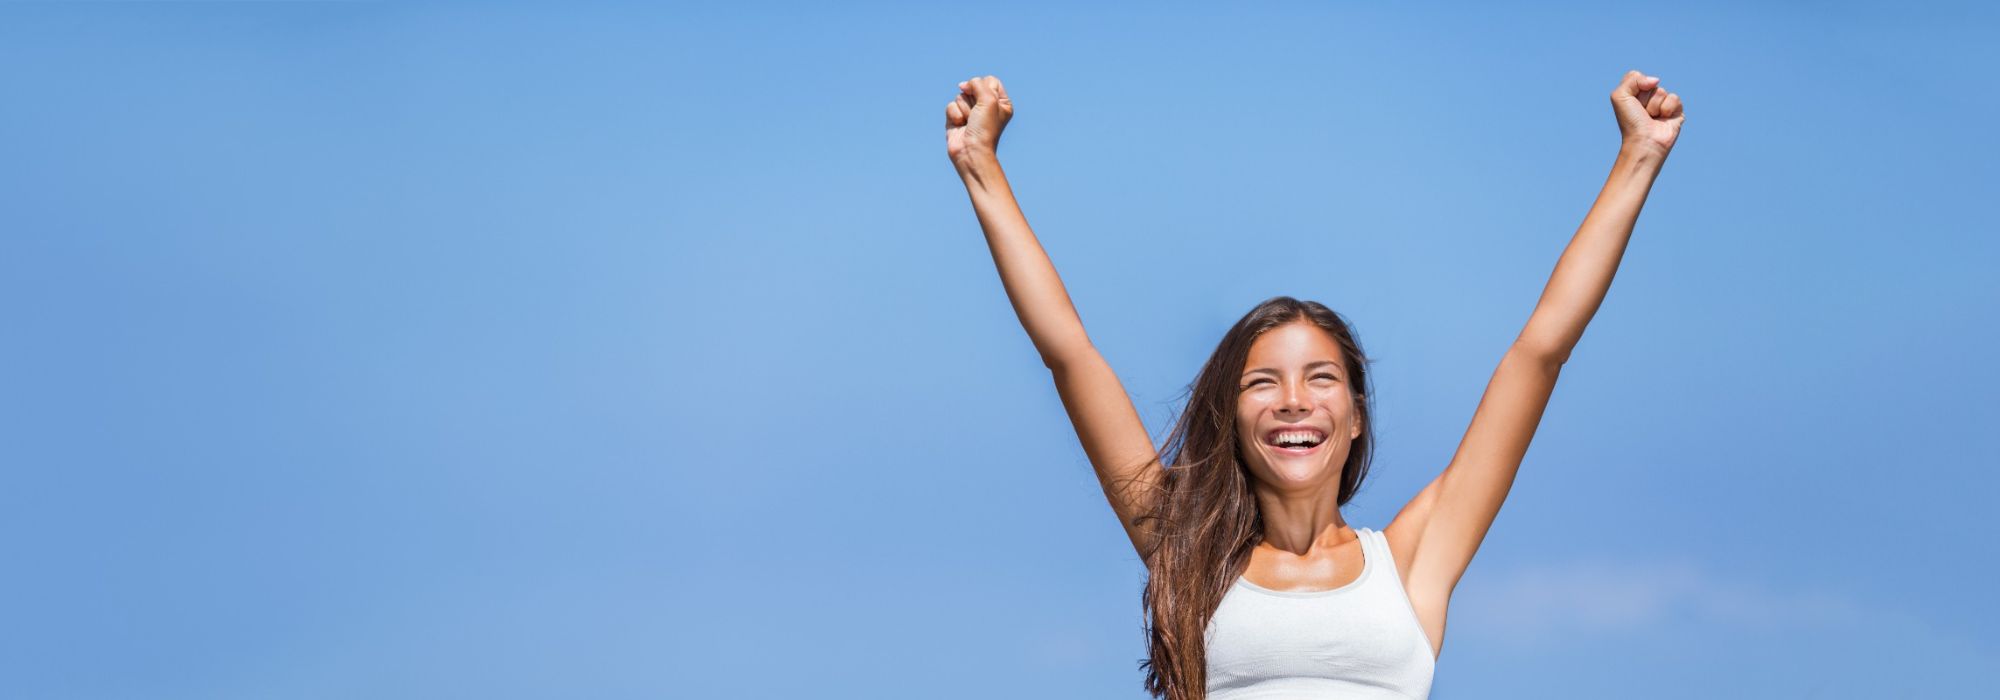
1648,117
972,123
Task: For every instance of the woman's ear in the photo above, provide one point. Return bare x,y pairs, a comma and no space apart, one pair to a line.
1355,432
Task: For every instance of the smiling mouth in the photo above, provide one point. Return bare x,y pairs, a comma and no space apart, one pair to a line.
1303,441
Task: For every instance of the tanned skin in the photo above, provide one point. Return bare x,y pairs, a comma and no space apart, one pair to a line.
1307,545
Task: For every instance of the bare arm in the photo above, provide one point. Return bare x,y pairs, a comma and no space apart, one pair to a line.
1449,519
1113,437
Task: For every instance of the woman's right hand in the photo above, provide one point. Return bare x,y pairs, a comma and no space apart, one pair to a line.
973,122
1648,117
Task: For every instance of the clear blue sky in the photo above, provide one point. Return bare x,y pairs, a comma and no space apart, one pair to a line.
414,351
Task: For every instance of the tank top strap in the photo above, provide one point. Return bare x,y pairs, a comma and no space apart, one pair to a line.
1376,545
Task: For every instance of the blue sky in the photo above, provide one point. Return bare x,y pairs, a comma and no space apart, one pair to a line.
387,350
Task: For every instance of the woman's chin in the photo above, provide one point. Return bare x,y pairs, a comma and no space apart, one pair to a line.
1299,470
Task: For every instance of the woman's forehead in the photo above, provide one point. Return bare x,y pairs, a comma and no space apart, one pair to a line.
1293,344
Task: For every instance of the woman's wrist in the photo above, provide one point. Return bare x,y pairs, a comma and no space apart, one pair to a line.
980,169
1645,152
975,157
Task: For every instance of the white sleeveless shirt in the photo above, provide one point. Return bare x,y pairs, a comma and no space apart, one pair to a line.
1361,640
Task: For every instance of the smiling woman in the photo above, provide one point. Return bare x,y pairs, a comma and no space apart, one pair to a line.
1256,585
1248,528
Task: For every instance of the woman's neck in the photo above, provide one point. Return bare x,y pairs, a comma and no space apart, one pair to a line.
1301,522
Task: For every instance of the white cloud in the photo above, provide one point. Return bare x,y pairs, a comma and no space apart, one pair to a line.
1615,597
1771,641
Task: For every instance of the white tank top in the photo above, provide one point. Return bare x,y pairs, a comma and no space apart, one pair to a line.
1361,640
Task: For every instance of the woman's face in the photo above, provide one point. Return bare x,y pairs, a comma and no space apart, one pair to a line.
1295,386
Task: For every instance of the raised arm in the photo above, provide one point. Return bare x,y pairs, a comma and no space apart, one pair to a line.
1447,521
1112,435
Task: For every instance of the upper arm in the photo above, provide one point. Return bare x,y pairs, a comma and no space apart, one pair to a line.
1113,438
1449,519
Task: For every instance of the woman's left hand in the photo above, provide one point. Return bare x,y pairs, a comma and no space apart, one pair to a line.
1648,117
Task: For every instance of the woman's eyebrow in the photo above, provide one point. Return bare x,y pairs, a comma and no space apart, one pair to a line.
1309,367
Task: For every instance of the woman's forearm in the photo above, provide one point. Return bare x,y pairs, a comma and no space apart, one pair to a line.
1583,274
1037,293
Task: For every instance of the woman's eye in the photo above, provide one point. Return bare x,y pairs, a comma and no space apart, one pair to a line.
1327,376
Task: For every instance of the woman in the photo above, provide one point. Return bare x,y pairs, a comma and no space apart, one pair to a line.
1256,585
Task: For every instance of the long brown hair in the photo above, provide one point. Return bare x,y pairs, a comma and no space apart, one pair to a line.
1206,516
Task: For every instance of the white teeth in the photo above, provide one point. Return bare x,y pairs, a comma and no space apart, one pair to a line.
1296,438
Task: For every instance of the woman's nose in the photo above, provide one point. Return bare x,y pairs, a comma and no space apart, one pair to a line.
1294,401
